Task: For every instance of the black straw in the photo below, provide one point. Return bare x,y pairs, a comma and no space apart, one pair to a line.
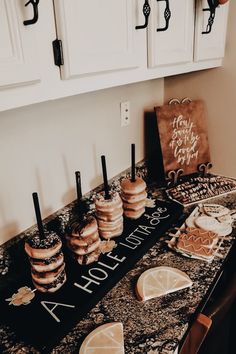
133,178
105,181
38,216
78,186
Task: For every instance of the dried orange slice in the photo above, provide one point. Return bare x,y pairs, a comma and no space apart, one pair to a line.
105,339
160,281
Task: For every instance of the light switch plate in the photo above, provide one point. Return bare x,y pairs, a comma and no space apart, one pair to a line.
125,113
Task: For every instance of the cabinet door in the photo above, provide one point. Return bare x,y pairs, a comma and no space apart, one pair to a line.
175,44
98,36
210,45
18,57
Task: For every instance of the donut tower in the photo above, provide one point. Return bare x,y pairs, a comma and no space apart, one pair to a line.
45,256
133,192
109,209
82,236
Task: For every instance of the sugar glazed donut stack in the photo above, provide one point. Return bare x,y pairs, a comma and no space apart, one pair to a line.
44,249
133,194
47,261
83,239
109,209
82,232
109,213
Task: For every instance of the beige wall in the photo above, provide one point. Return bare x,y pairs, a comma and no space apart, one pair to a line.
42,145
218,88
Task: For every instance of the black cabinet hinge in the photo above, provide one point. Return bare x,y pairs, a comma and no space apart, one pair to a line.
58,52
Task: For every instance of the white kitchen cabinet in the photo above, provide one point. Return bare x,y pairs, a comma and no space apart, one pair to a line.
99,36
171,32
18,54
101,47
210,45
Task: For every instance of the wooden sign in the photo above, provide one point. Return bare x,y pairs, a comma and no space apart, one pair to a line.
183,136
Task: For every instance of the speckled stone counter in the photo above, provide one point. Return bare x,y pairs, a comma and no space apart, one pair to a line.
155,326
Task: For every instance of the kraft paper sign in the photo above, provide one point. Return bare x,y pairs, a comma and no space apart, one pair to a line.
183,136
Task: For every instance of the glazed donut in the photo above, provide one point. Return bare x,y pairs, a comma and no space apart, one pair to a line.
108,205
81,251
105,216
88,258
47,264
114,233
47,277
134,214
43,248
133,198
110,225
52,287
109,212
83,228
130,187
84,241
135,206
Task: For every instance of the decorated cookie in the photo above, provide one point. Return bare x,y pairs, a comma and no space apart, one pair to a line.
233,215
190,221
224,229
205,238
107,338
226,219
215,210
160,281
207,223
198,250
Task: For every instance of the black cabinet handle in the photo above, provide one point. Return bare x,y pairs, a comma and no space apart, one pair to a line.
146,13
34,3
213,4
167,15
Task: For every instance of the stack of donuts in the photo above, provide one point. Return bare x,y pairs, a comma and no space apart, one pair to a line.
109,213
47,261
83,240
133,194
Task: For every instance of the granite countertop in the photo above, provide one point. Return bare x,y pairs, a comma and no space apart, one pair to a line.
155,326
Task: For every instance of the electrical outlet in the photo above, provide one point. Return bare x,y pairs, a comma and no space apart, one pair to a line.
125,113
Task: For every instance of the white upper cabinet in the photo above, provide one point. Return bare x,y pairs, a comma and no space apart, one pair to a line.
18,56
171,32
101,45
99,36
211,44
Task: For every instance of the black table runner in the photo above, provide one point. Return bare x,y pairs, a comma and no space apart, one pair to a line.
49,317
